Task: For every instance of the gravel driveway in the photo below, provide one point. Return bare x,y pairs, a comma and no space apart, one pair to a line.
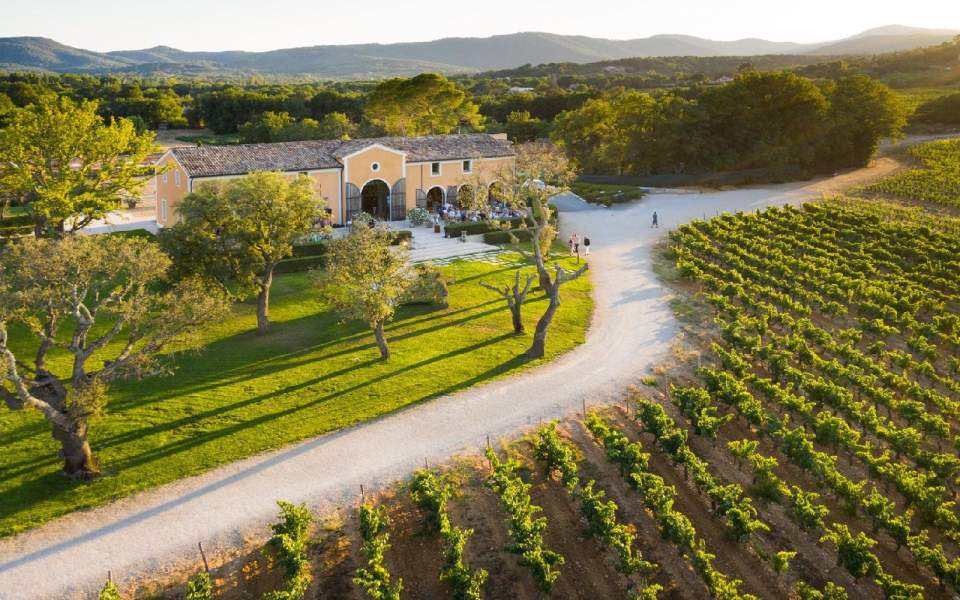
157,531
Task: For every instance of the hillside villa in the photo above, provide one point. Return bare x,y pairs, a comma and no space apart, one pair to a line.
381,176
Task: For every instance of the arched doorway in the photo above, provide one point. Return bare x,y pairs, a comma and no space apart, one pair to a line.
435,198
375,199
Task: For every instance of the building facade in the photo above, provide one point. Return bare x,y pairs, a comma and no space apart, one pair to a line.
381,176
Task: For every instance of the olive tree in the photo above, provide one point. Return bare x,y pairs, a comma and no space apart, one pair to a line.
68,165
540,171
103,302
238,231
366,277
515,296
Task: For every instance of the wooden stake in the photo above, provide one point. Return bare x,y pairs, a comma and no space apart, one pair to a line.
206,566
361,494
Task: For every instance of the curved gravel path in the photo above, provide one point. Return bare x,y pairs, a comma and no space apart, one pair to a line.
155,532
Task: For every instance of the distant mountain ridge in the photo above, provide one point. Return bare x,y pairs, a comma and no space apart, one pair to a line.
448,55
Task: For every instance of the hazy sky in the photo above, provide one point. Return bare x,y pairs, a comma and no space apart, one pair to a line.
268,24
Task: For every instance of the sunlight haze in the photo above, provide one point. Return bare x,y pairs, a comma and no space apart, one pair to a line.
105,25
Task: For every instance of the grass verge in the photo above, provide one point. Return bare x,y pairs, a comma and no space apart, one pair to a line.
246,394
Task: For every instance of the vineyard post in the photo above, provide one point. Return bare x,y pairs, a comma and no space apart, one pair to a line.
203,555
583,405
362,499
489,462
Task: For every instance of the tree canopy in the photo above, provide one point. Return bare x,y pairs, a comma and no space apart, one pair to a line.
105,301
423,105
759,121
236,232
70,166
365,278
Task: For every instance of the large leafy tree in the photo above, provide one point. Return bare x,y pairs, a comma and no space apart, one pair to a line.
862,112
426,104
237,232
69,165
761,120
366,277
104,303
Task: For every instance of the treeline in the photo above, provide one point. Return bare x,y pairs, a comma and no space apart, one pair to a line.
758,121
642,72
930,66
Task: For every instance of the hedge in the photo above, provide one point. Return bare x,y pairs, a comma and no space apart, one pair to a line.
503,237
309,256
311,249
297,265
15,230
452,230
17,220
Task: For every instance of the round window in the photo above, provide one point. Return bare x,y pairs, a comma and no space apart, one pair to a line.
375,167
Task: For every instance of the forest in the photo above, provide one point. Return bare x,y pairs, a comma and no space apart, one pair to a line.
628,117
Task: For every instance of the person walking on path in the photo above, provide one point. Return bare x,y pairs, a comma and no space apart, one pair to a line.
586,246
655,223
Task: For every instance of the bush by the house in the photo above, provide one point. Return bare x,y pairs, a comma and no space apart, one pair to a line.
418,216
453,230
430,287
311,255
503,237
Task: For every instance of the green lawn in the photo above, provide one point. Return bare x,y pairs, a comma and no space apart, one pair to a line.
245,394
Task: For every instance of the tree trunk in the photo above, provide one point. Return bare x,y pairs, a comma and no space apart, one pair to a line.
539,346
517,317
381,341
78,460
263,302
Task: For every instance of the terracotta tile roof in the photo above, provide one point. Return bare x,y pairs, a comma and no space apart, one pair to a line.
436,147
212,161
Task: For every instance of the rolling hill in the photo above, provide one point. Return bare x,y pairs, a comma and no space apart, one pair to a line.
448,55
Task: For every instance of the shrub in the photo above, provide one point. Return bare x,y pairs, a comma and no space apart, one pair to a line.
312,249
453,230
298,265
17,221
430,287
418,216
503,237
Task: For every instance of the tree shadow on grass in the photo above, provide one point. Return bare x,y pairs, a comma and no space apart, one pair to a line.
194,377
204,438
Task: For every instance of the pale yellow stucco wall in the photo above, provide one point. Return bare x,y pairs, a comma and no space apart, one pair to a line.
330,183
420,175
358,168
171,187
328,186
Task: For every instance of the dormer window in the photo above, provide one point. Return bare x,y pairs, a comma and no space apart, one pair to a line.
435,168
468,166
